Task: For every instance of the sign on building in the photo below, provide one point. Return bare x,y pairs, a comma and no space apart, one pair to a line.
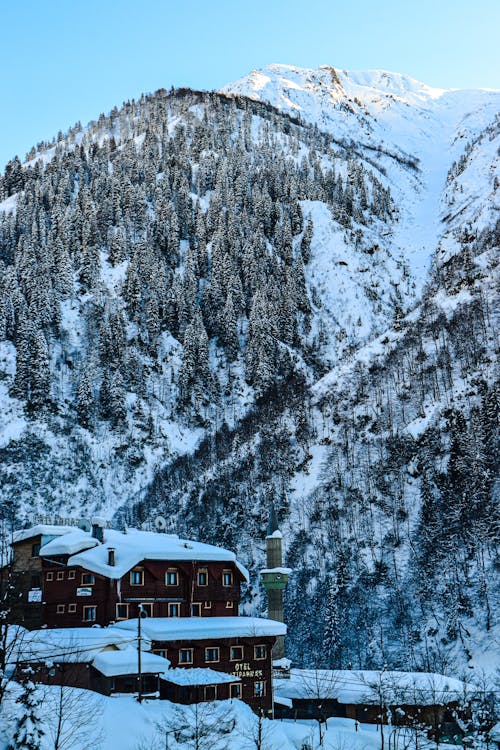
84,591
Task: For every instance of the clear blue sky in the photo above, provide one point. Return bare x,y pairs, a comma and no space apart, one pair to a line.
63,60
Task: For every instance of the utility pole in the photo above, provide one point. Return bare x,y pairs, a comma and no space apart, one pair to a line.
139,654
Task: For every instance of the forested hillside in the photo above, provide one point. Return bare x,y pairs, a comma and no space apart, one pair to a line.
210,302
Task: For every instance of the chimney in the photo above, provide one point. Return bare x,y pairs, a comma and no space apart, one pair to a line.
111,557
98,529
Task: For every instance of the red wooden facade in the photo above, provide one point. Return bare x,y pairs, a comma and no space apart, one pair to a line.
74,597
84,675
248,658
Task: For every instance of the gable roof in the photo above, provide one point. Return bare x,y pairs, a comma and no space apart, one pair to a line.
69,544
192,676
114,663
72,644
40,529
134,546
204,628
366,687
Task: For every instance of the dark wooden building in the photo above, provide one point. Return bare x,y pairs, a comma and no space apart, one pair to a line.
187,591
238,646
430,702
196,685
27,574
74,578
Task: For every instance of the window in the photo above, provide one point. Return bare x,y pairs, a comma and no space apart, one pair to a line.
89,614
60,575
210,692
122,611
212,654
196,609
185,656
259,652
71,575
171,578
229,605
36,581
227,578
160,652
236,653
60,609
88,579
174,609
50,576
35,550
137,577
147,608
207,605
72,608
259,689
235,690
203,577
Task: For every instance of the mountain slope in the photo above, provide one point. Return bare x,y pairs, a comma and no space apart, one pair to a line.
283,292
381,111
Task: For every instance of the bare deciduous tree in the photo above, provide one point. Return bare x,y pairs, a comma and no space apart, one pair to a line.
199,726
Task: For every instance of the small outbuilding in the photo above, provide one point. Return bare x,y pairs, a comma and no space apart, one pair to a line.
428,701
198,684
115,672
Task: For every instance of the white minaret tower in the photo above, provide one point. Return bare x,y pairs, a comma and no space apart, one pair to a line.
275,578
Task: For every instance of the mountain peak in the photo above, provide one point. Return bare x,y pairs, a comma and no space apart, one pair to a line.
275,81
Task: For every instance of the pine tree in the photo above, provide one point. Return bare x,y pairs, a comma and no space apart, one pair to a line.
39,393
117,396
261,357
229,330
305,245
24,347
152,322
28,733
331,638
85,400
105,395
195,380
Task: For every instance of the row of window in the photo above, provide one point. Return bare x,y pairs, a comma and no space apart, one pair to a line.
137,577
210,691
173,609
212,654
172,577
123,610
60,575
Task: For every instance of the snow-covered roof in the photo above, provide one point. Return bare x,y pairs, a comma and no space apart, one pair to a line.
134,546
282,663
73,644
41,530
69,544
368,686
280,569
282,701
202,628
113,663
198,676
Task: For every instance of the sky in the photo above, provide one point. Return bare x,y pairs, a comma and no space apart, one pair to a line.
63,61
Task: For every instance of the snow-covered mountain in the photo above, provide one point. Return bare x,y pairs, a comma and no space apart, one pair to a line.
393,119
281,292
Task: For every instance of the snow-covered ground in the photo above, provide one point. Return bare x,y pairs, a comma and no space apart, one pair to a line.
121,723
